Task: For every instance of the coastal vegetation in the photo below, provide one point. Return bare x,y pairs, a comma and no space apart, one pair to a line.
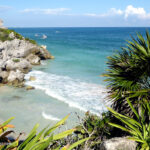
128,78
8,35
37,141
129,73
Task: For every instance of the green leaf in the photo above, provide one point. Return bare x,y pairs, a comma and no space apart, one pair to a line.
77,143
56,126
63,134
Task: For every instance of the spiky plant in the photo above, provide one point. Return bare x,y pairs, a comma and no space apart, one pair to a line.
139,128
128,75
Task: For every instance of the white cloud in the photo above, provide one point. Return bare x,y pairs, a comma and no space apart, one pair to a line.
139,12
128,12
111,12
55,11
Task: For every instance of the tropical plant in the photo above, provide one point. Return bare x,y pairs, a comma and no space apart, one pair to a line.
129,74
94,127
138,128
41,141
4,130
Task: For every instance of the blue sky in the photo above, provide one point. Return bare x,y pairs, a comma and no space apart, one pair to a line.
75,13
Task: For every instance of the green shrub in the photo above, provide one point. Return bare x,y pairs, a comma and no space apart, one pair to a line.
138,128
31,41
93,127
16,60
4,36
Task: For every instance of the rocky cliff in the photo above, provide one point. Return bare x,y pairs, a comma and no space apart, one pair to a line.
17,56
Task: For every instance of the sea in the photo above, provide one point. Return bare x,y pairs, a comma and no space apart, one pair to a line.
72,83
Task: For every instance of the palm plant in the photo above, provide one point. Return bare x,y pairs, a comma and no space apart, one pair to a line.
42,140
129,74
138,128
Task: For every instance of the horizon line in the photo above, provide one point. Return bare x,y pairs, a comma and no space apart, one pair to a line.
89,27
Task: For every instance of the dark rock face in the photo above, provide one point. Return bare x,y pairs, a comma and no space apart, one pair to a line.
118,144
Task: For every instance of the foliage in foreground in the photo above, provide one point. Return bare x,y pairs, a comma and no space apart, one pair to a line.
94,127
138,128
41,141
128,75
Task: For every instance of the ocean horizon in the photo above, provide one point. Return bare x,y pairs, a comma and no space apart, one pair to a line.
72,82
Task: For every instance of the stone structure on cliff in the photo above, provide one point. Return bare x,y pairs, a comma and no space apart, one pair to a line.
1,24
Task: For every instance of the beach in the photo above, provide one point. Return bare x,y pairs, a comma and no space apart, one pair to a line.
70,83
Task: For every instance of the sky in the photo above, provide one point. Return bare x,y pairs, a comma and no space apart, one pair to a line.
75,13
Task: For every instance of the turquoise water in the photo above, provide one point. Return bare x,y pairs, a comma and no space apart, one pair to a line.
71,82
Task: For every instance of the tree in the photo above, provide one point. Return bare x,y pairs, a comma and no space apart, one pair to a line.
128,75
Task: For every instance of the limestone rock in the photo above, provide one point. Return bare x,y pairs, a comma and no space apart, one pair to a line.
17,57
11,35
33,59
15,76
30,88
20,64
32,78
118,144
44,54
17,48
4,74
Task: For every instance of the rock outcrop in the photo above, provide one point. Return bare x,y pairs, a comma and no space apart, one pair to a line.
118,144
17,56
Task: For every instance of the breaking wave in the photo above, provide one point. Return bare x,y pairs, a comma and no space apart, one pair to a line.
81,95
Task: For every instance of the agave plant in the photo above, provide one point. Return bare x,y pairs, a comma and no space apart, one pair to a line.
138,128
129,74
42,140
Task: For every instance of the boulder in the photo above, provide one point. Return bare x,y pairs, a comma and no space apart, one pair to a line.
11,35
20,64
15,76
33,59
32,78
30,88
3,76
122,143
44,54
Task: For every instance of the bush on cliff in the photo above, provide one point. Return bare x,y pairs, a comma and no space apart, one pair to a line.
5,36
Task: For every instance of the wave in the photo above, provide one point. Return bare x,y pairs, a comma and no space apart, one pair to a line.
78,94
49,117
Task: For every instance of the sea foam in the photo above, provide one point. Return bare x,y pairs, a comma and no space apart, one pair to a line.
78,94
49,117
